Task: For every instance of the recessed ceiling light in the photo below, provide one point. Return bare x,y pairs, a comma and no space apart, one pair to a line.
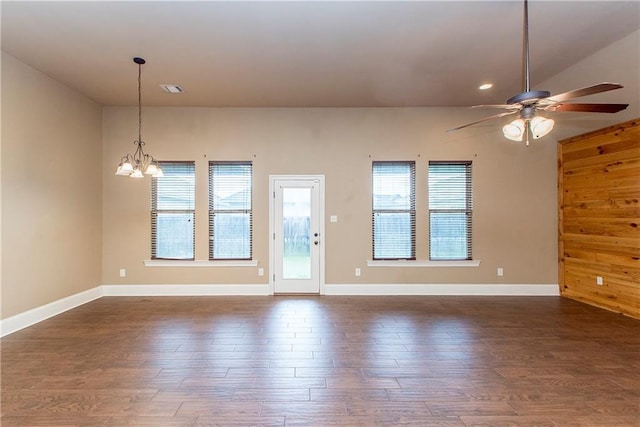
485,86
172,88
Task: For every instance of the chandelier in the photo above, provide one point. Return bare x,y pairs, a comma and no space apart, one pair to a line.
139,163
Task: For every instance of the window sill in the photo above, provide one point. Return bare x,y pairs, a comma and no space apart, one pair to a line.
421,263
198,263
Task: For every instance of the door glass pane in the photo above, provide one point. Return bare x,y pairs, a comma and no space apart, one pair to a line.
296,218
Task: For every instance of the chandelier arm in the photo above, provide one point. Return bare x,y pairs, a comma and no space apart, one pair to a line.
139,153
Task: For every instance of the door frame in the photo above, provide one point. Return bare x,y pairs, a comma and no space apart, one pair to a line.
321,223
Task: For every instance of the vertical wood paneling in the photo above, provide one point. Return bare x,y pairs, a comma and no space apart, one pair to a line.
598,217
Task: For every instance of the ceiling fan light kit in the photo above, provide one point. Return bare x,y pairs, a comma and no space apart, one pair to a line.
517,129
529,102
540,126
514,130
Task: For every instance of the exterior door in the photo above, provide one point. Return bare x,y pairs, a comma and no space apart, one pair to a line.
297,232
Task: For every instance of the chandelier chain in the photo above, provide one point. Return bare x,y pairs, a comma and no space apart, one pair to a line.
140,102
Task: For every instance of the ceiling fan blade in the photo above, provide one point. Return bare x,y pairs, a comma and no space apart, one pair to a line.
590,90
587,108
483,120
503,106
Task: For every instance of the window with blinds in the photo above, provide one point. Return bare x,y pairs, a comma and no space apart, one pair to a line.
173,212
394,210
450,211
230,213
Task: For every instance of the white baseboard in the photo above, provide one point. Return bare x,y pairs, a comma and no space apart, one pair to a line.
184,290
38,314
444,289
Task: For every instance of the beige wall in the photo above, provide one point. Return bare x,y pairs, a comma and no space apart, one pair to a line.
514,188
51,190
617,63
51,154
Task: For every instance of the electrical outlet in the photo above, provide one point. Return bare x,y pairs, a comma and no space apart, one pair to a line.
123,272
357,271
500,271
599,280
261,272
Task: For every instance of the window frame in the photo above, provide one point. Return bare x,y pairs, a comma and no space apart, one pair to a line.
166,166
467,210
411,210
213,211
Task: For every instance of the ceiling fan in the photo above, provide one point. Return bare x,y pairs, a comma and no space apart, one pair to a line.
529,102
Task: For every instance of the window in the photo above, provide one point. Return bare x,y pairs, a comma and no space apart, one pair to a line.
173,212
230,215
394,210
450,211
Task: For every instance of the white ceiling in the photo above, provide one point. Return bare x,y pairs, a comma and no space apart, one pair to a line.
307,54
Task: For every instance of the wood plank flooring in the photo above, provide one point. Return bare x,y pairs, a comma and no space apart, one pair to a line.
324,361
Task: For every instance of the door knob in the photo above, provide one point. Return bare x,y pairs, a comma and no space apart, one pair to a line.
315,242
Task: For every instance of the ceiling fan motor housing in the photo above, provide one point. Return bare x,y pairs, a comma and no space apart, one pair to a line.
527,112
528,97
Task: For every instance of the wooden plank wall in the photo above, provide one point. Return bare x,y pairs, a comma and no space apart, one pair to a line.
599,215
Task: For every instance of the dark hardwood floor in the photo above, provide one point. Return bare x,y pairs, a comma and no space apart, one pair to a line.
324,361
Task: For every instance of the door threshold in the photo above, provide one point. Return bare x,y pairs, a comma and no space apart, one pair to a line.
287,294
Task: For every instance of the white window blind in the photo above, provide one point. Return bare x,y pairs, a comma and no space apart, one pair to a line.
173,212
450,211
394,210
230,212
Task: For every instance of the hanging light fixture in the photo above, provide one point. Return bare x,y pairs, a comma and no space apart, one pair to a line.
514,130
520,128
540,126
139,163
528,122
